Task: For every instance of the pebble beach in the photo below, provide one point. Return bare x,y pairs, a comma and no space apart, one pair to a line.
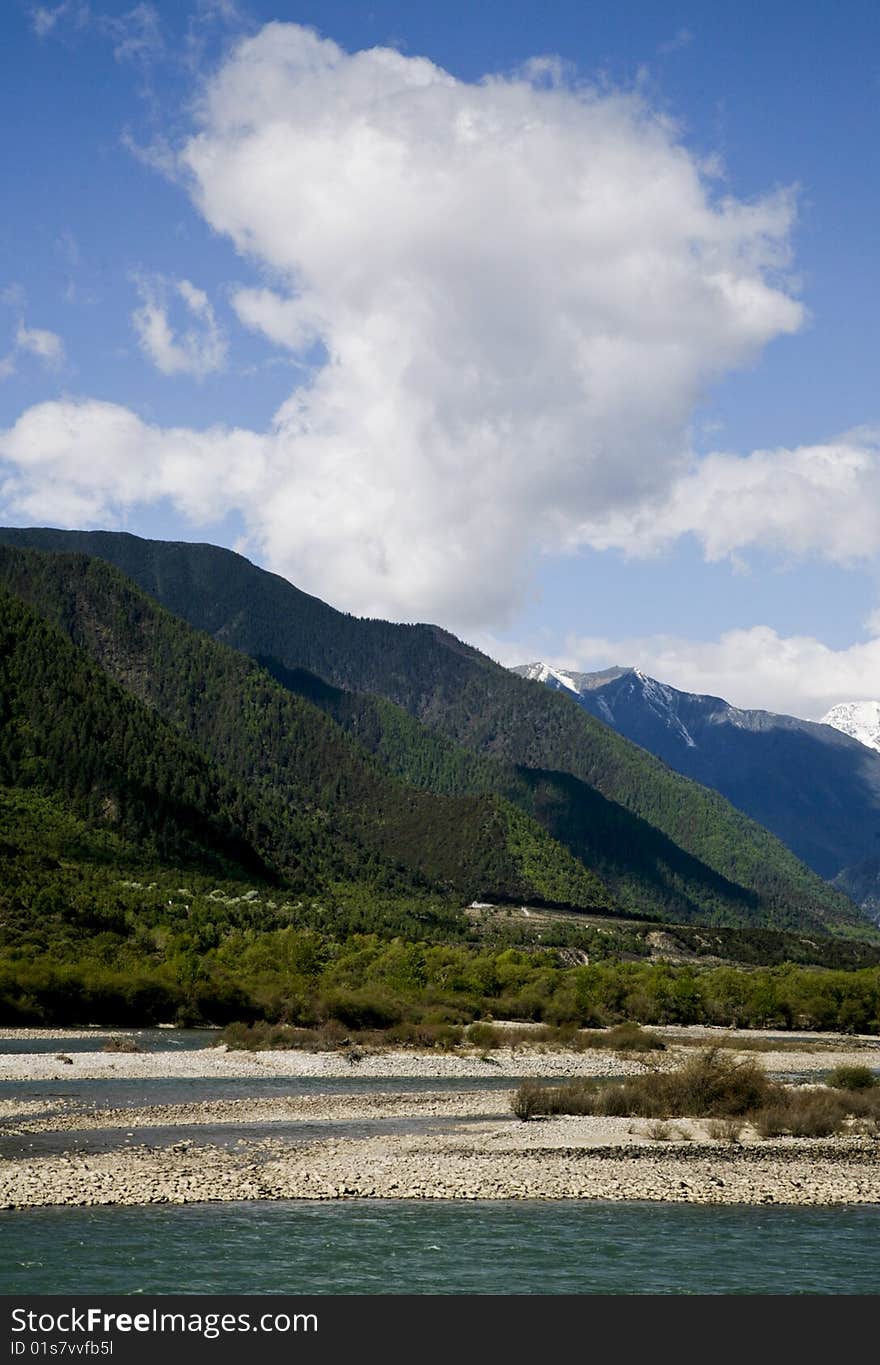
383,1142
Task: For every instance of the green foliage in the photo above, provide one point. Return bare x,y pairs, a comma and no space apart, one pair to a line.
852,1078
182,837
640,866
661,844
92,930
554,873
809,1113
181,719
709,1085
66,727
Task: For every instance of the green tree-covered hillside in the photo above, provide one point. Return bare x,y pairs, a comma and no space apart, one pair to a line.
462,695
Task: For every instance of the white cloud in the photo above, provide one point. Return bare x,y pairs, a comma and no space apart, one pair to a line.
45,19
67,248
285,321
199,350
521,290
683,38
823,499
756,667
13,295
47,346
136,35
79,463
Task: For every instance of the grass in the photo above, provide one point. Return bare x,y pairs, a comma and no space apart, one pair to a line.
711,1085
725,1130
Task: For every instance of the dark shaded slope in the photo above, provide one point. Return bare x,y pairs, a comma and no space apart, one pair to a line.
861,883
473,701
68,729
298,765
647,872
817,789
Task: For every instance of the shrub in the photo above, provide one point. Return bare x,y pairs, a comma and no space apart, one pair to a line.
864,1101
659,1131
263,1037
444,1037
527,1100
805,1112
363,1009
772,1120
714,1084
487,1036
575,1097
816,1115
710,1084
725,1130
852,1078
121,1045
627,1037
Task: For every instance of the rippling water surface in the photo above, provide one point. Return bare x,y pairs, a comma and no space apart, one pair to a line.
147,1039
398,1247
137,1091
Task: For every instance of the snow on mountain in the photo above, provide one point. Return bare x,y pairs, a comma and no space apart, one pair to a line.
543,673
815,785
858,719
635,687
662,701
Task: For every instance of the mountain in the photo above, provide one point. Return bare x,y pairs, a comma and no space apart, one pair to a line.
861,882
438,713
815,787
116,703
858,719
442,812
68,731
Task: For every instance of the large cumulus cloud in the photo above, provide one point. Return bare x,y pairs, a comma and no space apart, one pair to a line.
508,297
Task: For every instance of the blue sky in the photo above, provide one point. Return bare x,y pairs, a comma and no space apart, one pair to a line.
575,356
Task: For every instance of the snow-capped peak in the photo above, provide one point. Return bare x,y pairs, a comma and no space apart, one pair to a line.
662,701
858,719
543,673
592,691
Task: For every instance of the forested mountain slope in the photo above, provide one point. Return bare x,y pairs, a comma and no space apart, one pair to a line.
465,697
169,701
817,789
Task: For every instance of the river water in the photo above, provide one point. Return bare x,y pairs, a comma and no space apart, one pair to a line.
398,1247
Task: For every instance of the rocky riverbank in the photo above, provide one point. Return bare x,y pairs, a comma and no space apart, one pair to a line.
487,1155
548,1161
220,1064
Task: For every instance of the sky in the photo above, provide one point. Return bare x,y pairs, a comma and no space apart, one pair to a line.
554,324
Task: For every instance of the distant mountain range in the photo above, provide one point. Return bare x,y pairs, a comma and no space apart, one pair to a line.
314,747
815,785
